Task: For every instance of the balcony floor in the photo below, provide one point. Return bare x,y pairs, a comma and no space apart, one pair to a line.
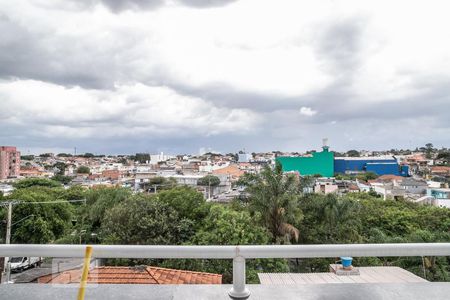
395,291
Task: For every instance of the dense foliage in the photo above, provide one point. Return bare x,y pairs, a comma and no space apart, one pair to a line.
209,180
141,220
83,170
42,216
30,182
275,197
276,211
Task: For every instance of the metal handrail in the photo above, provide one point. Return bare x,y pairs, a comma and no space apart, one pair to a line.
238,253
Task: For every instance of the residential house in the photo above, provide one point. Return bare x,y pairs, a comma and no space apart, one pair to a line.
442,195
413,186
443,171
325,186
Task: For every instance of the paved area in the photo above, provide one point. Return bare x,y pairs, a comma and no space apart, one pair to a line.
407,291
48,267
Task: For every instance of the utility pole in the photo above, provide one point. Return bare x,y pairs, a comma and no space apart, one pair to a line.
8,226
209,189
5,275
6,270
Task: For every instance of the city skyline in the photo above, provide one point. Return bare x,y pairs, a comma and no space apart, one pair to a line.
124,76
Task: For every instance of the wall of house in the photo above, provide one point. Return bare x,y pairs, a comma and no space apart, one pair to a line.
380,166
320,163
383,168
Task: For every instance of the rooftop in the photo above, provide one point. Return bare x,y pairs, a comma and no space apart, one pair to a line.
134,275
365,158
366,275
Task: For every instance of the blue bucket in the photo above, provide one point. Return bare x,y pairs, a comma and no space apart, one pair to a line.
346,261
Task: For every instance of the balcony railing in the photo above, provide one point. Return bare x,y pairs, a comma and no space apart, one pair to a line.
238,253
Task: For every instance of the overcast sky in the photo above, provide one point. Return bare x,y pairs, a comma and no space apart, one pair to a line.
126,76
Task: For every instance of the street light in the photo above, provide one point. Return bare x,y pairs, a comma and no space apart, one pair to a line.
94,235
75,233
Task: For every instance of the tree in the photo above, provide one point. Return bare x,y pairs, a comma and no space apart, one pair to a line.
160,183
428,150
83,170
40,222
98,201
27,157
142,157
209,180
123,160
444,155
142,220
234,156
224,226
367,176
189,203
157,180
29,182
339,218
61,168
63,179
275,196
330,219
352,153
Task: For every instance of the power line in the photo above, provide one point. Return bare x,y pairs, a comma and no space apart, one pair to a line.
9,204
14,202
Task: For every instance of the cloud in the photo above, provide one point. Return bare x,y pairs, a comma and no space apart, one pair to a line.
121,5
307,111
341,43
225,78
52,111
206,3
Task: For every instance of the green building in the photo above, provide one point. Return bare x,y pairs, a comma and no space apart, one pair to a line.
320,163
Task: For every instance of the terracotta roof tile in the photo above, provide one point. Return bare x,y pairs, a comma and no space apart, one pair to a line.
389,178
134,275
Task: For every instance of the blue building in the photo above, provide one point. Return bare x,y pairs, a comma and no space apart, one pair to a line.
377,165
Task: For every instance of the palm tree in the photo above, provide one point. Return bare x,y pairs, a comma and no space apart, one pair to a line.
275,196
339,216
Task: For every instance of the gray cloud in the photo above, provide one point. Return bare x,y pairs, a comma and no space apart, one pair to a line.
341,42
64,59
78,62
206,3
121,5
98,62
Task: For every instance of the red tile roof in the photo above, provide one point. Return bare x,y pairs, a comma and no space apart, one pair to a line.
353,187
440,169
389,178
233,171
134,275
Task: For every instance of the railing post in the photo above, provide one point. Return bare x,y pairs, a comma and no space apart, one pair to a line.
239,291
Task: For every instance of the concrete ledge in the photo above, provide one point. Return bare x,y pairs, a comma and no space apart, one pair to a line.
218,292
